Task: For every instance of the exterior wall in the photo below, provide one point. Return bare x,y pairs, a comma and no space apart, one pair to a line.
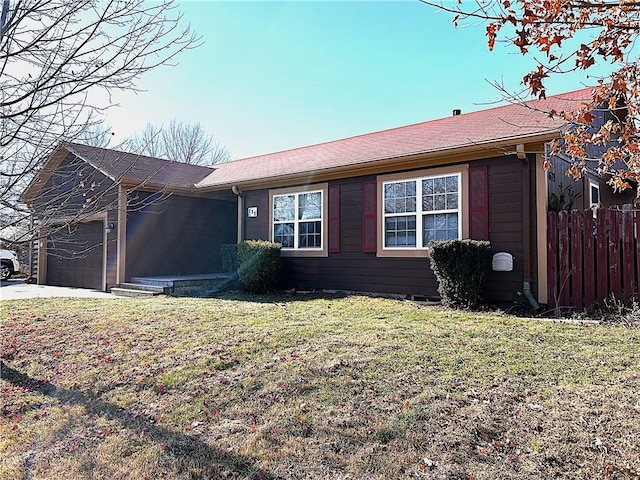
76,192
351,269
506,226
558,179
557,172
174,235
177,235
75,189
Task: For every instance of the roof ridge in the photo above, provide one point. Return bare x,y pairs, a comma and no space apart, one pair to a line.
139,155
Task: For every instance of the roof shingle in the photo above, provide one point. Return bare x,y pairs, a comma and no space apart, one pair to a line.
513,121
133,169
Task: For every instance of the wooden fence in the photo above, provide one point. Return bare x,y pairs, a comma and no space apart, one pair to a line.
592,257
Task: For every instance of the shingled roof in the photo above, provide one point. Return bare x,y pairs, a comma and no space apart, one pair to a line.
490,130
126,168
509,123
133,169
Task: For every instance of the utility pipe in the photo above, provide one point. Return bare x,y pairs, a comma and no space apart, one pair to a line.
526,226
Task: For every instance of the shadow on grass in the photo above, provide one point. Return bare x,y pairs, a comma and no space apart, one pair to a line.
195,454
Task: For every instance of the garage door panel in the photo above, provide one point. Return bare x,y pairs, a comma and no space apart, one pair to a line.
75,257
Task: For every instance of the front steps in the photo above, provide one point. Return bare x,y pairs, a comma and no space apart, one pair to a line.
178,286
137,290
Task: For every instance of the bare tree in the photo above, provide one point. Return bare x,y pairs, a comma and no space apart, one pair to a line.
60,61
98,135
149,142
180,142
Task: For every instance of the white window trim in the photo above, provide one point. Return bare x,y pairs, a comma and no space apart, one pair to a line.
323,251
419,213
463,206
592,185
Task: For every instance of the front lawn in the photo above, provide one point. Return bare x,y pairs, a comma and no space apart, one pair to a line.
311,387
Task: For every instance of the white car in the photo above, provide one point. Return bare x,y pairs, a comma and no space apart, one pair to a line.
9,264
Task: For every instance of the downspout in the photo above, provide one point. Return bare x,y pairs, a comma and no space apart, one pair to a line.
240,201
526,226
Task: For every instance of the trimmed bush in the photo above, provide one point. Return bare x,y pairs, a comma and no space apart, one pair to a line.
229,256
460,267
259,265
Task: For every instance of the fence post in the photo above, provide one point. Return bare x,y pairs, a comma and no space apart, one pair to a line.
564,271
589,270
628,259
576,259
637,250
614,254
602,267
552,260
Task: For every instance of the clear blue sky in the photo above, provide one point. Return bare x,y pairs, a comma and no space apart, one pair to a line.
277,75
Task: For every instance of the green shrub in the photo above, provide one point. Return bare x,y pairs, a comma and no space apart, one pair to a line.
229,256
259,265
460,266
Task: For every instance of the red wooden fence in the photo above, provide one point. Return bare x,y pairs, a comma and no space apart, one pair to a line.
592,257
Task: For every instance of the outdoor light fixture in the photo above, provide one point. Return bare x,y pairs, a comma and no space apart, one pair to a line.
108,228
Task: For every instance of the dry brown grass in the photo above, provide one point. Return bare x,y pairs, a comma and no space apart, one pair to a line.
311,387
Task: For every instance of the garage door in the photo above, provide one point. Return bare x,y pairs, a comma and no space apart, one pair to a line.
74,257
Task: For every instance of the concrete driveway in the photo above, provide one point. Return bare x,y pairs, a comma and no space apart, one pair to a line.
16,289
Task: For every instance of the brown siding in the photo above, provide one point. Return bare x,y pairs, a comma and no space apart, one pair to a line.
252,225
351,216
505,225
178,236
362,272
75,187
351,269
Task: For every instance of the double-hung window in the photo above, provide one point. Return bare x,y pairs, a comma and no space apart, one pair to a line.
418,210
297,220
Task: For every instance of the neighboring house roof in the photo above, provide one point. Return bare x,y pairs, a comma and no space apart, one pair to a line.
513,123
126,168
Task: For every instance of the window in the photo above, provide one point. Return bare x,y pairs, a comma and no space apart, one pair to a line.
419,210
298,220
594,194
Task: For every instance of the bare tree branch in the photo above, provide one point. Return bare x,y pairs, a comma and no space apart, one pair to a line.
179,142
553,29
56,56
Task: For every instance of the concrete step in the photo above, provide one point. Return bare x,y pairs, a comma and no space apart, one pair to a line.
141,286
188,285
154,282
182,281
131,292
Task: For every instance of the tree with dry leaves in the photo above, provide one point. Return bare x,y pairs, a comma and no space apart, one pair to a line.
179,142
60,62
576,35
